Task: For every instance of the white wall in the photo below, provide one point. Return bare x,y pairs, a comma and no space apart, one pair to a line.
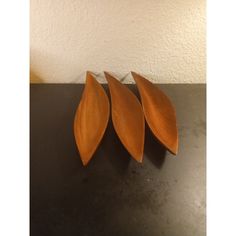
162,39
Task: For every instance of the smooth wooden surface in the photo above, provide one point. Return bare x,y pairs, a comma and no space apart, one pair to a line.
127,117
159,113
91,118
115,195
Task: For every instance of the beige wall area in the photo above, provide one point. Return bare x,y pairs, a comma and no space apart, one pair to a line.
161,39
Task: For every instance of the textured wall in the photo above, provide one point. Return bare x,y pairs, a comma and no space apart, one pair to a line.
162,39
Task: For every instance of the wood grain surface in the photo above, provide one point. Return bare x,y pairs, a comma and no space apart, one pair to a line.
159,113
91,118
127,117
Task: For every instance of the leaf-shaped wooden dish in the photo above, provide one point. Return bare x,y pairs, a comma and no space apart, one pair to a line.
127,117
91,118
159,113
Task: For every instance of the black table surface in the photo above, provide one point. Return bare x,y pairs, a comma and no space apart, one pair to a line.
114,195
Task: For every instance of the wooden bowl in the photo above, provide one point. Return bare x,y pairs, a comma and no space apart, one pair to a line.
159,113
91,118
127,117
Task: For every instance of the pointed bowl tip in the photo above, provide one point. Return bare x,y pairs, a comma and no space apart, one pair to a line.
106,73
108,76
174,150
89,75
138,157
85,162
140,160
134,74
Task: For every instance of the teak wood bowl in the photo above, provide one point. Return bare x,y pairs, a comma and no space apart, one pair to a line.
91,118
127,117
159,113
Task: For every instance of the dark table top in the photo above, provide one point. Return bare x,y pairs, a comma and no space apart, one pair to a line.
114,195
